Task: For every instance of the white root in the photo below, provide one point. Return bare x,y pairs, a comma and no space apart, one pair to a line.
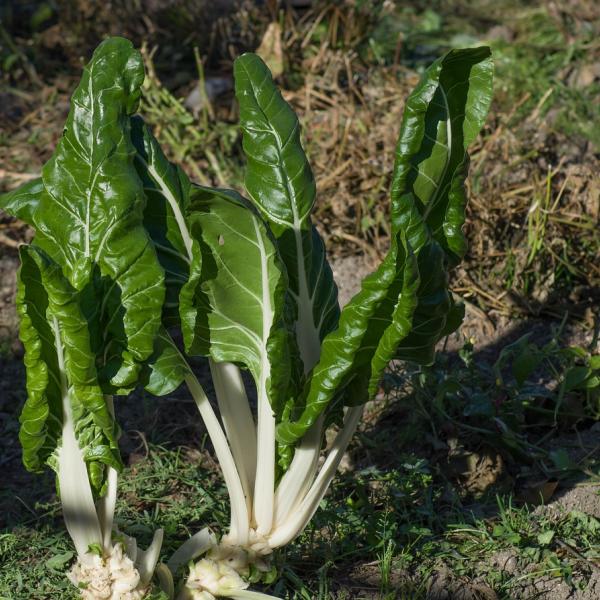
114,577
221,572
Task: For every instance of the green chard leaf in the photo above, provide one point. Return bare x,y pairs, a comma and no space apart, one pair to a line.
354,355
442,117
166,368
40,426
232,308
176,225
436,314
23,201
89,218
167,189
61,372
91,289
404,308
280,182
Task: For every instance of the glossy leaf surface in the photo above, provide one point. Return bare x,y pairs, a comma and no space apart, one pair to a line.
354,355
166,368
167,190
232,307
90,216
51,315
442,117
23,201
405,307
280,182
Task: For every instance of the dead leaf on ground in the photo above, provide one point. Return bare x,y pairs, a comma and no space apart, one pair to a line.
444,586
270,49
538,492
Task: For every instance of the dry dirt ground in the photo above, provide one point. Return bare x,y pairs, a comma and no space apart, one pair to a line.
443,584
535,190
584,497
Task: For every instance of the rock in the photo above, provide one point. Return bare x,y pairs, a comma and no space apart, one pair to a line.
213,88
270,49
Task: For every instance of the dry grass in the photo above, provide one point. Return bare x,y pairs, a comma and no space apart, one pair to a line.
534,210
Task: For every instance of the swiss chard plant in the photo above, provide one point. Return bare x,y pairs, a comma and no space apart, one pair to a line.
130,255
90,297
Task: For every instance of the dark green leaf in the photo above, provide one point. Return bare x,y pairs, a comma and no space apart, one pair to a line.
89,218
278,176
435,306
526,362
442,117
400,320
576,377
354,355
51,315
389,316
166,368
525,357
167,189
23,201
561,459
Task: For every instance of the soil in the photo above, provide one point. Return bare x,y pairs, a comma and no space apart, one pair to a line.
498,219
348,272
493,333
551,588
8,313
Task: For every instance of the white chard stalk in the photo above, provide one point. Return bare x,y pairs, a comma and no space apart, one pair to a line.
118,573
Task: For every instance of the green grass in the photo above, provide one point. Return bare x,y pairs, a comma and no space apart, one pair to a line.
392,519
407,508
397,525
411,502
534,64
